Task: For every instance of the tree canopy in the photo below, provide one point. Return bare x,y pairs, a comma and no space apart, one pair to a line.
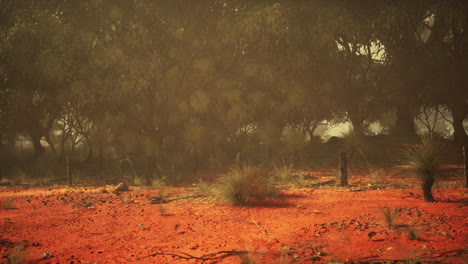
180,80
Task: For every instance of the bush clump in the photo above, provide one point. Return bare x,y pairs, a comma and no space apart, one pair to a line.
242,184
425,159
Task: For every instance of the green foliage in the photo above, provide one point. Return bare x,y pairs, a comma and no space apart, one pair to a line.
285,174
193,84
139,181
426,157
203,187
241,185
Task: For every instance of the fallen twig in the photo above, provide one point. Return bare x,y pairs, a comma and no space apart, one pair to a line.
265,232
182,255
163,200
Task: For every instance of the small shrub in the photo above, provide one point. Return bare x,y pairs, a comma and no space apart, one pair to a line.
425,159
140,181
203,188
18,255
248,258
286,175
285,172
159,182
242,184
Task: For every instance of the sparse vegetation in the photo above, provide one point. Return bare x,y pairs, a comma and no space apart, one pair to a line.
203,188
248,258
18,255
285,175
158,183
242,184
425,159
139,181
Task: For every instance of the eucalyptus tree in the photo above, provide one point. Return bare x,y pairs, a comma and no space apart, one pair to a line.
400,28
287,68
36,61
159,64
358,59
447,50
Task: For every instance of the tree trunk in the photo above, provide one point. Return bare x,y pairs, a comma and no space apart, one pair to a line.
357,125
89,156
11,143
459,114
149,170
344,168
38,148
404,125
196,161
69,174
428,181
100,159
465,157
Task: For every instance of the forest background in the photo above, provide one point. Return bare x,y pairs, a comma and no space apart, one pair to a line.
182,85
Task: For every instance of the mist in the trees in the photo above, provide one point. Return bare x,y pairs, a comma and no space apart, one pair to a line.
185,85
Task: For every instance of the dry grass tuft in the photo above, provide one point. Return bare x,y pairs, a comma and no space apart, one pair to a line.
242,184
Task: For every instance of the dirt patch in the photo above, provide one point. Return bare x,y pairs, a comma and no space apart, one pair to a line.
320,223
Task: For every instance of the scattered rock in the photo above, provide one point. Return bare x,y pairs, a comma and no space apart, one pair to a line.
46,255
122,187
371,234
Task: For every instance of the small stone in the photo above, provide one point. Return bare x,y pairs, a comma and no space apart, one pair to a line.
122,187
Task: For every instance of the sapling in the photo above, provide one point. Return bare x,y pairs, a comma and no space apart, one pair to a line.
425,159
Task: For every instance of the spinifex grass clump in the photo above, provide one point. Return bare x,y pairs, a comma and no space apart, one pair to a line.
425,159
242,184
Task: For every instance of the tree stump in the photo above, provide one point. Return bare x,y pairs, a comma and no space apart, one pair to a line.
344,168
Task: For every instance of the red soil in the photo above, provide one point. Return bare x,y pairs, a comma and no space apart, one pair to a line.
304,225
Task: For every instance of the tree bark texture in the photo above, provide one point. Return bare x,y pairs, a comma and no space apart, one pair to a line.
428,181
344,168
38,148
404,125
465,157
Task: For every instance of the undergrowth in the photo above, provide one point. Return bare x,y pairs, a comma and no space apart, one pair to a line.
241,184
18,255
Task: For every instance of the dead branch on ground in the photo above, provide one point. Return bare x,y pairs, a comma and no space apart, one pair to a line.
182,255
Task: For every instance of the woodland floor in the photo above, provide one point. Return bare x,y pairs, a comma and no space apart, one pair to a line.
319,223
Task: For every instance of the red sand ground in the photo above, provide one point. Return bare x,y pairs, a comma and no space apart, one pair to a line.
318,224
